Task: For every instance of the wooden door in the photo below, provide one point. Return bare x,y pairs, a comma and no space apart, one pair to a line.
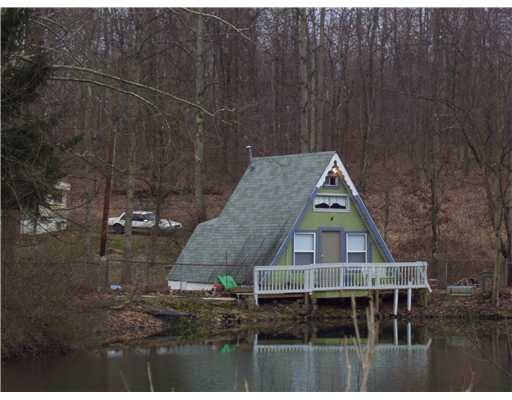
330,247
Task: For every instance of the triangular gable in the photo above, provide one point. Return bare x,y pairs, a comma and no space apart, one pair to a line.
357,200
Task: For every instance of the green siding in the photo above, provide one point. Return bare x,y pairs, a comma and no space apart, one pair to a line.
348,221
287,256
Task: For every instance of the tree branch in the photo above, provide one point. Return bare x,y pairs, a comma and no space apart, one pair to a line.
207,15
97,83
132,83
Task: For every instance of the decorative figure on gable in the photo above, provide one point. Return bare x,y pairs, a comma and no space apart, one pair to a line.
333,175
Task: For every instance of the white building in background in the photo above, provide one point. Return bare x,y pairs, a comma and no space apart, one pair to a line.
52,218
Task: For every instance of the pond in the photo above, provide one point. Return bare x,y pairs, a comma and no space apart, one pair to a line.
407,357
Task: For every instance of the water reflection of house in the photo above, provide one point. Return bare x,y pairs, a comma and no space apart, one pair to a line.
50,218
308,366
312,360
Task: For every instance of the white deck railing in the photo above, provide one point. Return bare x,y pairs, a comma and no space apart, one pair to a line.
343,276
274,348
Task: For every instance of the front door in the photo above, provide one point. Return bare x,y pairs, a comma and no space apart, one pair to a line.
330,247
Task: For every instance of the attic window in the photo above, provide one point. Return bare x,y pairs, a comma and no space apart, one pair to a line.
331,203
333,175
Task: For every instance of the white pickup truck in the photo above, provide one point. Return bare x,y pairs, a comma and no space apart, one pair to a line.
142,221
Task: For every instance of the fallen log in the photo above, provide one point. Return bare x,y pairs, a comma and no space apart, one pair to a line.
164,313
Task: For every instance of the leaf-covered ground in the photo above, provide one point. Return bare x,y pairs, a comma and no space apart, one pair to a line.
128,319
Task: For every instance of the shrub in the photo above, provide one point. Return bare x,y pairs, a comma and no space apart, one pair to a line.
44,307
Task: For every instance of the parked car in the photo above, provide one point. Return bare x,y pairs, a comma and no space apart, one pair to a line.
142,221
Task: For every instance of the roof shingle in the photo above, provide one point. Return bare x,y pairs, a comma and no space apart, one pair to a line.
256,219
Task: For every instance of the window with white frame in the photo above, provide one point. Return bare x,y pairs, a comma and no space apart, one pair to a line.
331,202
357,247
304,249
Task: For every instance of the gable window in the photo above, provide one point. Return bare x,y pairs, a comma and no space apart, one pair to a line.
304,248
324,202
357,248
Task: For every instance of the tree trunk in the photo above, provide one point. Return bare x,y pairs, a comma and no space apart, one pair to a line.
312,56
303,81
367,103
199,135
433,137
321,91
126,272
387,194
10,229
496,281
154,235
90,186
277,134
508,133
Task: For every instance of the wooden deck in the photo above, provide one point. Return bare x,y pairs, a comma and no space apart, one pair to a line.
308,279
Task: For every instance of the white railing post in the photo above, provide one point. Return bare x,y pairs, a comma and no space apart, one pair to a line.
256,285
309,285
395,303
425,274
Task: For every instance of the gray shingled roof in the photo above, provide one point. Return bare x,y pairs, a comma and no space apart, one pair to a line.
256,219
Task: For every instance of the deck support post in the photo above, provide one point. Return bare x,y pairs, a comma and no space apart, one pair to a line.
395,331
409,334
255,343
314,304
409,299
256,299
377,301
395,303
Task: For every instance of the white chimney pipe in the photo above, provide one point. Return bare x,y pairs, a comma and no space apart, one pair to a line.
249,148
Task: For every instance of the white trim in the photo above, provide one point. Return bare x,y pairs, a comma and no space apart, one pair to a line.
344,174
308,251
357,252
189,286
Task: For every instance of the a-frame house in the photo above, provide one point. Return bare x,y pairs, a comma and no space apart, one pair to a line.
289,210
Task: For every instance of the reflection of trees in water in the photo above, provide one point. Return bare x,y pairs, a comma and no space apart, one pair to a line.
481,353
493,345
